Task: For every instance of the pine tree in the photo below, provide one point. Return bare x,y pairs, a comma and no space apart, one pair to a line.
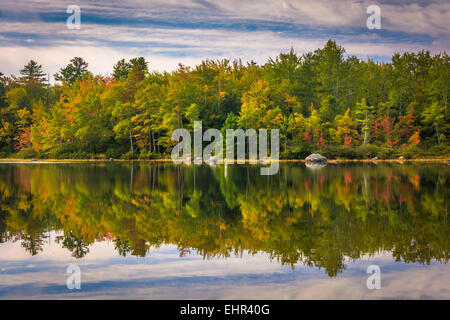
32,71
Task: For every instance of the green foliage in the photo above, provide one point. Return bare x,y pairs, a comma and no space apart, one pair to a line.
32,71
320,101
73,71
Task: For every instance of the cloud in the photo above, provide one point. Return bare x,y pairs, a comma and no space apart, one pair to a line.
169,32
163,275
422,17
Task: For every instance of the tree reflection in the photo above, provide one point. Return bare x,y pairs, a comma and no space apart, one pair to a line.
32,243
316,217
74,244
122,247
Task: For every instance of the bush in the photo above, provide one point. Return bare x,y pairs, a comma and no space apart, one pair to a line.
144,154
442,149
80,155
367,151
26,153
128,155
385,153
298,151
115,152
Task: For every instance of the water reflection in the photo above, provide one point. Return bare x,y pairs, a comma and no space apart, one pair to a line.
319,218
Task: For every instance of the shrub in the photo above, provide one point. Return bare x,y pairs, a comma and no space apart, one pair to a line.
366,151
26,153
144,154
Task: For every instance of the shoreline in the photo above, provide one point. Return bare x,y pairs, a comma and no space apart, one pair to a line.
332,161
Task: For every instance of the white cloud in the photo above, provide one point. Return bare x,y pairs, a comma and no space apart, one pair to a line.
423,17
53,45
163,275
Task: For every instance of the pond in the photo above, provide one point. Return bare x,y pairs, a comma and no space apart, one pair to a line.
160,231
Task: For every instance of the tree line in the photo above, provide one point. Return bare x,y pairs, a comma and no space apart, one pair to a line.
323,101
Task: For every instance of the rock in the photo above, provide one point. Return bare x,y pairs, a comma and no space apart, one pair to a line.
374,159
401,158
315,165
316,158
33,160
212,161
110,159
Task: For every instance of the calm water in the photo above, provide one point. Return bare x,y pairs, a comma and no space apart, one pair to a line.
156,231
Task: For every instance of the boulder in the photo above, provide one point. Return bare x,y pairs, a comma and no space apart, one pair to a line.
315,165
374,159
316,158
401,158
212,161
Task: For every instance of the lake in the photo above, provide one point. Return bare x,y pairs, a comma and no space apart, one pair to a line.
160,231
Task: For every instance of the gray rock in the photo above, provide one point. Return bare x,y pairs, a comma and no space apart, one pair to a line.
401,158
374,159
315,165
315,158
212,161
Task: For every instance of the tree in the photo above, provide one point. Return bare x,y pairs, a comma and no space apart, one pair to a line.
32,71
121,69
327,108
254,105
123,113
2,92
73,71
330,70
364,116
435,116
139,63
346,128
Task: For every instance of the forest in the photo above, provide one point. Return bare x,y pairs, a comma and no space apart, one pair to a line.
324,101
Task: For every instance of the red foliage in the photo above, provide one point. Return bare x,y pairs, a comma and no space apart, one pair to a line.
390,143
321,142
347,142
308,135
415,138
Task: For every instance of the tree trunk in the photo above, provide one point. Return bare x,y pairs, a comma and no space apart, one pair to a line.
437,133
366,130
131,144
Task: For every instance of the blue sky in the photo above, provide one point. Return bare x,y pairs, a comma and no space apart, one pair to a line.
172,31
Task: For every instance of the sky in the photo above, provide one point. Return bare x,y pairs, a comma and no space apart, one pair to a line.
162,274
169,32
